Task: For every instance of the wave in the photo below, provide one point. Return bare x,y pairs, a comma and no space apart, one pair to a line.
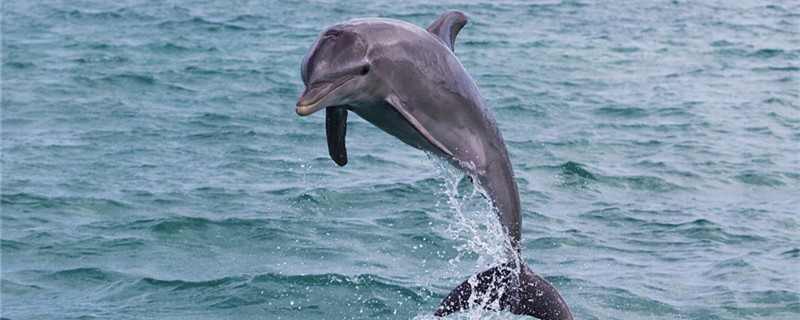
130,79
198,22
12,202
18,65
115,292
622,112
124,14
578,174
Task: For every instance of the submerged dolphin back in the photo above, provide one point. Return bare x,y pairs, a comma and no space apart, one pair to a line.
506,287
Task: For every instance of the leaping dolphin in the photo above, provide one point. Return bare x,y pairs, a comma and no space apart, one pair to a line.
407,81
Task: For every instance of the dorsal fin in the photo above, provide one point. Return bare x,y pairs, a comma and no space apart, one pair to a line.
447,26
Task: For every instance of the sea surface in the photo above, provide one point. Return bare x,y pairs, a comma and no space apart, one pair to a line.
153,166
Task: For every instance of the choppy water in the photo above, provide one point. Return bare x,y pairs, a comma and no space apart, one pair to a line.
153,165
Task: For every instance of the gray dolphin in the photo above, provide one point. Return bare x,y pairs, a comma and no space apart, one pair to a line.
407,81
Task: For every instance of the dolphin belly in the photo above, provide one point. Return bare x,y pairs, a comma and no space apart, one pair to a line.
386,118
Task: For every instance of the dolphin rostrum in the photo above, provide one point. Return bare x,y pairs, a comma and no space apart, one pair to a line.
408,82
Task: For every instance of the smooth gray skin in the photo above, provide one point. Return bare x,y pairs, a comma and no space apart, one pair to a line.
407,81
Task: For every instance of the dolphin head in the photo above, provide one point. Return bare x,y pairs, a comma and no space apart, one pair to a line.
334,69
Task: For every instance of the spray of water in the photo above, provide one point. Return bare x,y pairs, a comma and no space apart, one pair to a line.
472,222
472,219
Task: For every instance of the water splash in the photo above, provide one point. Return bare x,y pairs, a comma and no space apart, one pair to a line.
472,222
473,219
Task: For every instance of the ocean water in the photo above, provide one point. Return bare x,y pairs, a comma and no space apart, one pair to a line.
153,166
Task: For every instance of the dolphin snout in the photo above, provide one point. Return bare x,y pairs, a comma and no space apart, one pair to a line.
320,95
311,100
304,110
300,111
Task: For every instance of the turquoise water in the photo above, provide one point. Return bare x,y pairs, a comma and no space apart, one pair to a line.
153,166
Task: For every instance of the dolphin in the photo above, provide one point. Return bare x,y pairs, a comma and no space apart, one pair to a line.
408,82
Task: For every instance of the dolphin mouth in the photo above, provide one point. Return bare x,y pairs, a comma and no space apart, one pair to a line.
313,98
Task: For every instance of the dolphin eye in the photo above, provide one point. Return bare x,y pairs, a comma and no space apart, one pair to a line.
364,70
